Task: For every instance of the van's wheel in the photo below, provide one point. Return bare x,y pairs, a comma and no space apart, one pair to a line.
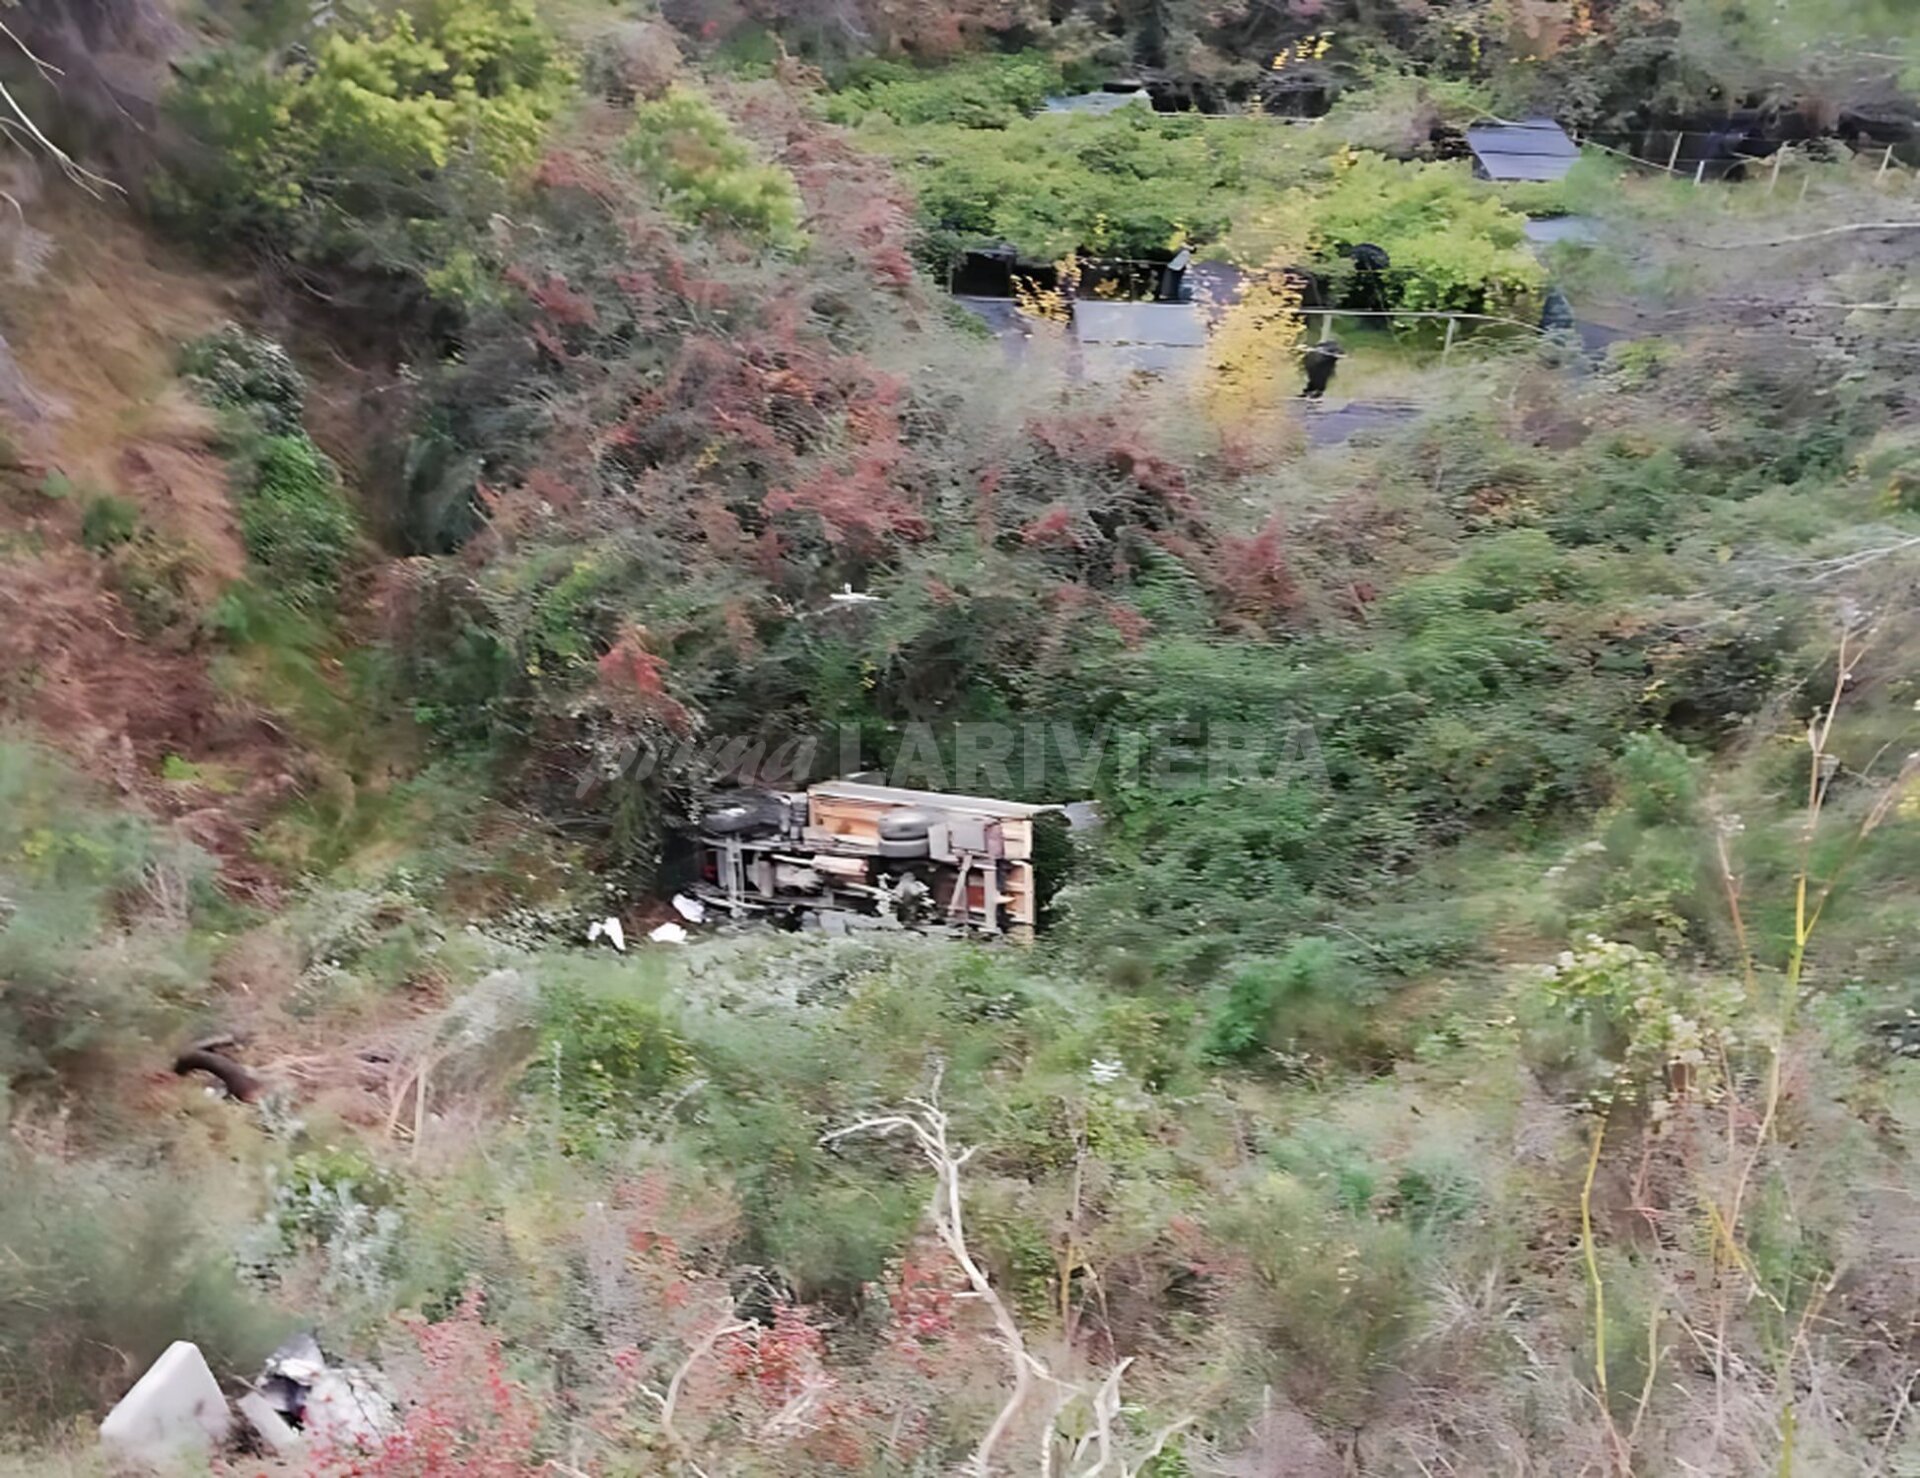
750,813
904,824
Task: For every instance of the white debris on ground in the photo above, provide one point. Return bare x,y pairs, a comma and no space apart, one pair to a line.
346,1407
611,930
174,1414
312,1397
669,933
276,1434
176,1417
690,909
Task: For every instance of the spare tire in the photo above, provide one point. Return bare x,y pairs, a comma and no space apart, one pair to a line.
749,812
905,824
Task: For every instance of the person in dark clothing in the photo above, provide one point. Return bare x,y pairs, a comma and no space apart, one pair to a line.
1370,267
1320,360
1307,285
1556,313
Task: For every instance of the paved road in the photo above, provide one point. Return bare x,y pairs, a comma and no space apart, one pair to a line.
1328,425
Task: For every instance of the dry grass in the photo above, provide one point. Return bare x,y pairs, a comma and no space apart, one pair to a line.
98,333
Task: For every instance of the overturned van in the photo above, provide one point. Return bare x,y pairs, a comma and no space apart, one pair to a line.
917,859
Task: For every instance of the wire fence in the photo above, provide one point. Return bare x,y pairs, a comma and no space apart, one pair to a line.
1885,161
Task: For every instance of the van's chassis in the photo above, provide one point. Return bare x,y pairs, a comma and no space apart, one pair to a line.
972,874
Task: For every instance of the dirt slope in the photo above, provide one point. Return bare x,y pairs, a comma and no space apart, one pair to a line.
94,328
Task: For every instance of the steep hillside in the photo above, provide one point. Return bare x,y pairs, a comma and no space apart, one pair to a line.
120,529
1478,1035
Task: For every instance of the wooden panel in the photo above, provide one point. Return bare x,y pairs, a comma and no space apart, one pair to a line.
1022,906
852,819
888,797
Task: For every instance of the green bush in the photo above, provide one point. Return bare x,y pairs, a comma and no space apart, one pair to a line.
1657,782
709,174
107,523
105,1266
1335,1291
300,148
333,1212
1127,185
1453,244
977,92
294,519
1310,1000
66,867
235,370
295,523
605,1058
1435,1193
1646,876
153,576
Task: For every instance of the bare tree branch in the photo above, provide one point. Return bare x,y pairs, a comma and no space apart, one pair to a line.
22,122
702,1347
1819,235
1095,1455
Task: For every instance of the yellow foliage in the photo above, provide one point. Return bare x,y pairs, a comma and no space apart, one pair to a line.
1254,353
1306,49
1050,304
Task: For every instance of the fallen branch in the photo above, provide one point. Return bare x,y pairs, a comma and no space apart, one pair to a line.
927,1124
1819,235
670,1401
1096,1455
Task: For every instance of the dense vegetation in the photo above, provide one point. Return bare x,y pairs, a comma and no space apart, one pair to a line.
1478,1036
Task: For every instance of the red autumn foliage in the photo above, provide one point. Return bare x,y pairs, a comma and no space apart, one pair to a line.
555,298
549,343
739,628
853,200
551,490
858,507
984,525
769,555
464,1416
565,170
1255,575
705,294
1133,627
630,674
859,502
1054,527
782,1362
1152,472
1102,441
721,529
922,1304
